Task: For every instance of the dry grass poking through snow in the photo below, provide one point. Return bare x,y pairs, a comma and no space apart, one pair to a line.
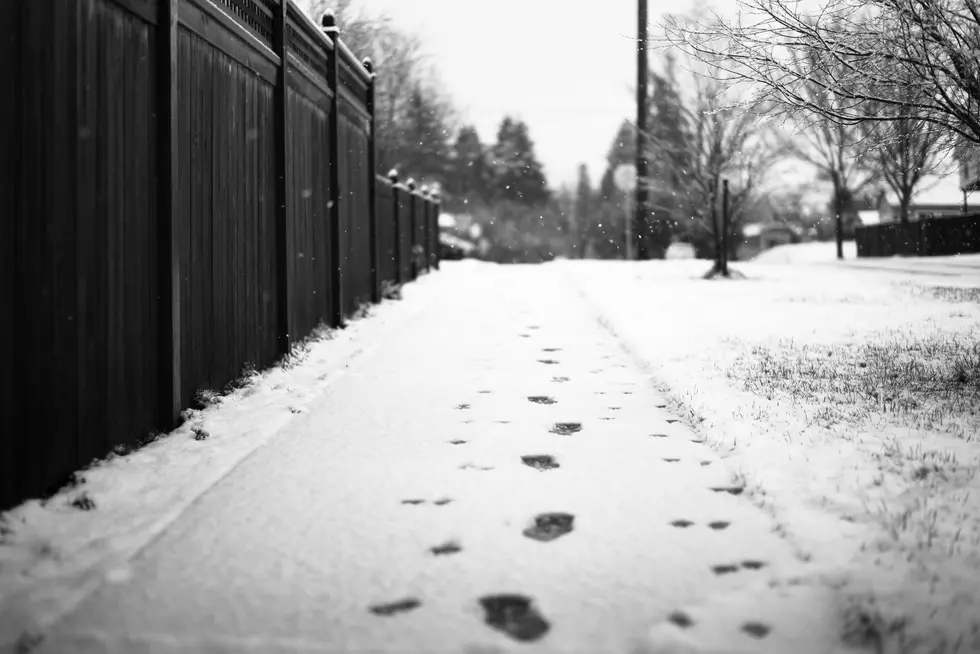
926,385
925,382
850,400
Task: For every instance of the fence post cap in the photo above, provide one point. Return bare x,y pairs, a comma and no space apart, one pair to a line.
393,176
411,184
328,21
435,196
425,189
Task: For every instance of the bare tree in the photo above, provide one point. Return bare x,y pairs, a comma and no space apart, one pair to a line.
860,51
408,87
838,150
907,149
720,140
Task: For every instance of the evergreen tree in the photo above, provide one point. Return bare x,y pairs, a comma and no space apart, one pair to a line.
668,152
517,174
470,173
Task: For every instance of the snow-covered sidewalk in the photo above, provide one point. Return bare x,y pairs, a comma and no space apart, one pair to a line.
492,472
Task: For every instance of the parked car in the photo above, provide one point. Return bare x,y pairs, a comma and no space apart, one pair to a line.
453,247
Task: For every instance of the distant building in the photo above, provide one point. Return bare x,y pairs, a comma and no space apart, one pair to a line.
758,237
935,197
869,217
968,158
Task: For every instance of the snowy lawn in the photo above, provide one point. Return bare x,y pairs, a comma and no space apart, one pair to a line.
813,252
850,401
54,551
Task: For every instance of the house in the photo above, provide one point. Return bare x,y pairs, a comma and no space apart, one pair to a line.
968,158
869,217
935,196
758,237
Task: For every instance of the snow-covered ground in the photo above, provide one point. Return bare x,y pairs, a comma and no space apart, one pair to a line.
497,450
52,554
845,398
850,400
813,252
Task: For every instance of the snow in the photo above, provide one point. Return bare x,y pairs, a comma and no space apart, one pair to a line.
680,251
55,554
813,252
280,529
849,494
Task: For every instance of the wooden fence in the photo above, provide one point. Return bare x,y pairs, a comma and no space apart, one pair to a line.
187,188
924,237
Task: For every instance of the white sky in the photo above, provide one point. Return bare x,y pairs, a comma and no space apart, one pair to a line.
566,67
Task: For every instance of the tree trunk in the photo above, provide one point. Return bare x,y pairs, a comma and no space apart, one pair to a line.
839,219
716,230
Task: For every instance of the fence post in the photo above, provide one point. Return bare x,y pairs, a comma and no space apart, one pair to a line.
375,242
413,229
396,217
168,225
337,251
724,228
436,208
284,249
426,227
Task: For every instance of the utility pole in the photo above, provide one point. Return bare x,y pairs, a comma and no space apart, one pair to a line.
642,169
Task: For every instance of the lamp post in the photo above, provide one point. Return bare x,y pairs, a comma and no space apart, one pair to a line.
625,179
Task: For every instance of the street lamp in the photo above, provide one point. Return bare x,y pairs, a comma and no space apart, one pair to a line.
625,179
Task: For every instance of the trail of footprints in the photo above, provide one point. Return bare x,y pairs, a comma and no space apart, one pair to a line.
516,615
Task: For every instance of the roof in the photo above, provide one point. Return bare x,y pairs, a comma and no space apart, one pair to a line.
869,217
455,241
756,229
932,191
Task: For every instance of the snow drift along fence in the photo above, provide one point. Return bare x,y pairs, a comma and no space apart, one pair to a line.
187,188
924,237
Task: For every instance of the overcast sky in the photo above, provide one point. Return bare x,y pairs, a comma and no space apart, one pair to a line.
566,67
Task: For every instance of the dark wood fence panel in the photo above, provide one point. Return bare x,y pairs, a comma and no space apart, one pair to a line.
354,207
45,252
405,232
115,60
308,155
925,237
387,231
953,235
418,234
308,209
227,199
195,62
79,254
10,164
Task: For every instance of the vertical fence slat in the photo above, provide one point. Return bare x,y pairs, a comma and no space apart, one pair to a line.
169,224
11,161
396,217
437,255
284,251
372,153
336,232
